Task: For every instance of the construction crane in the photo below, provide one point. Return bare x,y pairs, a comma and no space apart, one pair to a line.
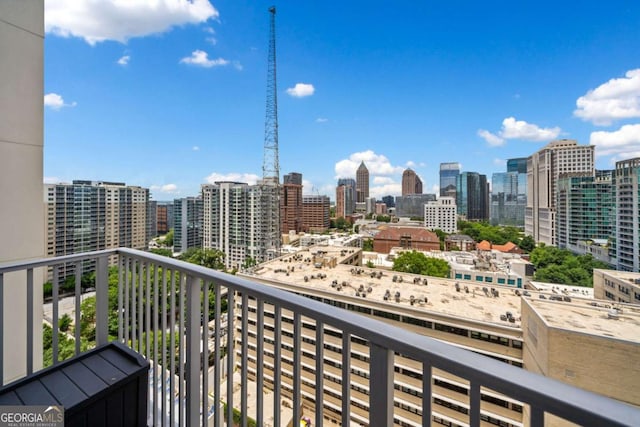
270,194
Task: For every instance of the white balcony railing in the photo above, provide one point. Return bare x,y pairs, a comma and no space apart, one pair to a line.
162,301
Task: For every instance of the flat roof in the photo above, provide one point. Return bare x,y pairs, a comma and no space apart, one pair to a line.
598,319
440,294
570,310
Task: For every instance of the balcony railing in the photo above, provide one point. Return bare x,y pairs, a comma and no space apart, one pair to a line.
162,301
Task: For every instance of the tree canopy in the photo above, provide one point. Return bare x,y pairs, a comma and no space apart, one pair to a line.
418,263
555,265
498,235
211,258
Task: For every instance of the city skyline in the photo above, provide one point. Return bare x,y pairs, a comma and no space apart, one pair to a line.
183,93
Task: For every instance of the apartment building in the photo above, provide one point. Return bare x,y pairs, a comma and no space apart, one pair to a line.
233,222
93,215
316,212
489,319
291,203
164,217
627,200
557,158
585,209
441,215
188,223
509,194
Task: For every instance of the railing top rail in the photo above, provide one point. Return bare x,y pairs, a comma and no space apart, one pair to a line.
553,396
46,262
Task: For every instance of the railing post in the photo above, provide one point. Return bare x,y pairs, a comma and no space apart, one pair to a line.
381,385
2,330
193,351
102,301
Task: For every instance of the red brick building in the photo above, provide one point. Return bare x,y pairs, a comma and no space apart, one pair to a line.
416,238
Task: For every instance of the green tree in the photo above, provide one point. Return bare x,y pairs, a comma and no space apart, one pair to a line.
367,245
527,244
418,263
210,258
65,322
162,251
168,238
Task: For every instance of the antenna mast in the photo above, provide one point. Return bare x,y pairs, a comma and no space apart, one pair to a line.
270,166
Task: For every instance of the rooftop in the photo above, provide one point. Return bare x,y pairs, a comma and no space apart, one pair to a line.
561,309
597,319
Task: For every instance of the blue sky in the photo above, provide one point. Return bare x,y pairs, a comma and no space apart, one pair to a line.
170,94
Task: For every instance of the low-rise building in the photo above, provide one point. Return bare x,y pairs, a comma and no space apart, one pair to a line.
416,238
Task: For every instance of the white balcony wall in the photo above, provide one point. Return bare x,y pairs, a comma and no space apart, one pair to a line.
21,170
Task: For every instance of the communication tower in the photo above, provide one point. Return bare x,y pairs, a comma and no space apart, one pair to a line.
270,166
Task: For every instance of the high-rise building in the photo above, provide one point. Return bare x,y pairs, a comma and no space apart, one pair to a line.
509,194
187,231
584,208
627,228
164,217
233,222
411,183
389,201
362,183
345,197
412,205
291,203
442,215
152,219
94,215
448,178
558,157
315,213
518,165
472,196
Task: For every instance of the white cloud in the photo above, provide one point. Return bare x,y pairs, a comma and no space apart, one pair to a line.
124,60
382,180
379,191
322,120
377,164
237,65
518,129
120,20
413,165
195,148
623,143
499,162
249,178
301,90
166,188
614,100
492,140
51,180
56,102
200,58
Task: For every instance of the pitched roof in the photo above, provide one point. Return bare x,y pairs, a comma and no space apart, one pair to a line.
507,247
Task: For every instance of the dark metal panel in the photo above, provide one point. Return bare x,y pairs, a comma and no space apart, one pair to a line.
85,378
10,398
63,389
34,393
103,369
